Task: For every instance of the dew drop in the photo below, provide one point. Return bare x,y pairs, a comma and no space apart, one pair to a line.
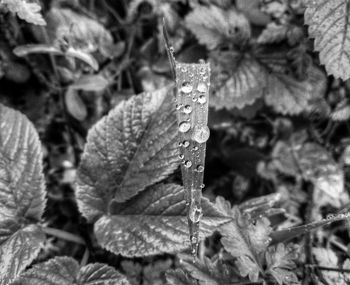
202,99
186,87
180,144
187,109
195,214
200,168
179,106
184,127
181,156
188,163
194,99
202,87
195,148
171,49
185,143
200,134
194,240
202,185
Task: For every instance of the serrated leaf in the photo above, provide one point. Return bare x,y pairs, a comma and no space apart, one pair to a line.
65,270
22,183
155,221
22,195
311,162
213,26
18,248
280,264
244,240
133,147
329,24
30,12
237,82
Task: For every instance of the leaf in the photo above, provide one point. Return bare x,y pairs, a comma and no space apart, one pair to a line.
209,271
313,163
18,248
28,49
153,222
22,183
273,33
237,82
65,270
179,277
22,194
213,26
82,33
133,147
329,24
30,12
280,264
75,105
244,240
92,82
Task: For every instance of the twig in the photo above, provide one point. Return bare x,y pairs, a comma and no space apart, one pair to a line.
63,235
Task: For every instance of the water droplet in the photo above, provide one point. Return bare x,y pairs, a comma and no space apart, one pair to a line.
186,144
195,148
202,71
181,156
188,163
180,144
202,87
187,109
194,99
186,87
184,69
194,240
200,134
200,168
195,214
202,99
179,106
184,127
202,185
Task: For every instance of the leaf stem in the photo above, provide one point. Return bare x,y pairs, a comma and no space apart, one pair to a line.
63,235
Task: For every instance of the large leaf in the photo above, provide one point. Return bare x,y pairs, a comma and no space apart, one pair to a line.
22,196
153,222
65,270
133,147
18,248
22,183
329,24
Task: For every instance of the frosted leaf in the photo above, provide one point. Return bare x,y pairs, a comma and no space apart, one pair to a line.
133,147
65,270
213,25
329,24
153,222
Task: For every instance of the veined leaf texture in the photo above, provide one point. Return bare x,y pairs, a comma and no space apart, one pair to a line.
22,194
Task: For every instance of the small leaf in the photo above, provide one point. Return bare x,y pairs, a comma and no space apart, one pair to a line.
75,105
65,270
133,147
30,12
94,82
179,277
153,222
18,248
329,24
244,240
213,26
273,33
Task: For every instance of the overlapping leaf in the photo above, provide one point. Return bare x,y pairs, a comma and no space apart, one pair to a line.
22,196
27,11
153,222
65,270
329,24
133,147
